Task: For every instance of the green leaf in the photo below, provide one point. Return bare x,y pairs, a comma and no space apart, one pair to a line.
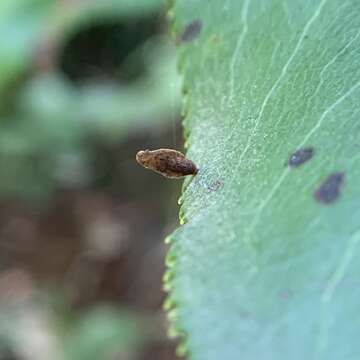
103,333
48,123
21,25
266,265
26,24
108,108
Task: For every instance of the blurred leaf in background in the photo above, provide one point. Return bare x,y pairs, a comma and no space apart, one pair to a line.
72,70
30,329
103,333
83,85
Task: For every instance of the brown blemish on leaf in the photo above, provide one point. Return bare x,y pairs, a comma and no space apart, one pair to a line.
330,189
191,31
167,162
301,156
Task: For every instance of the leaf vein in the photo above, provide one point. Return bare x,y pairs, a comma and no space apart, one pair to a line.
282,177
238,47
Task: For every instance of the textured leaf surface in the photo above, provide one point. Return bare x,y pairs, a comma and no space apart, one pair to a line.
267,264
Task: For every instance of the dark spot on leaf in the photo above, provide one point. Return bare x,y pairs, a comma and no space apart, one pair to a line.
191,31
330,189
215,185
301,156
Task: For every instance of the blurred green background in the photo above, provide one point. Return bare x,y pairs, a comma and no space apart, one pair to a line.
84,84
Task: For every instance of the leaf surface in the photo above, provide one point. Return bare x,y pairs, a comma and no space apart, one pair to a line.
267,265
